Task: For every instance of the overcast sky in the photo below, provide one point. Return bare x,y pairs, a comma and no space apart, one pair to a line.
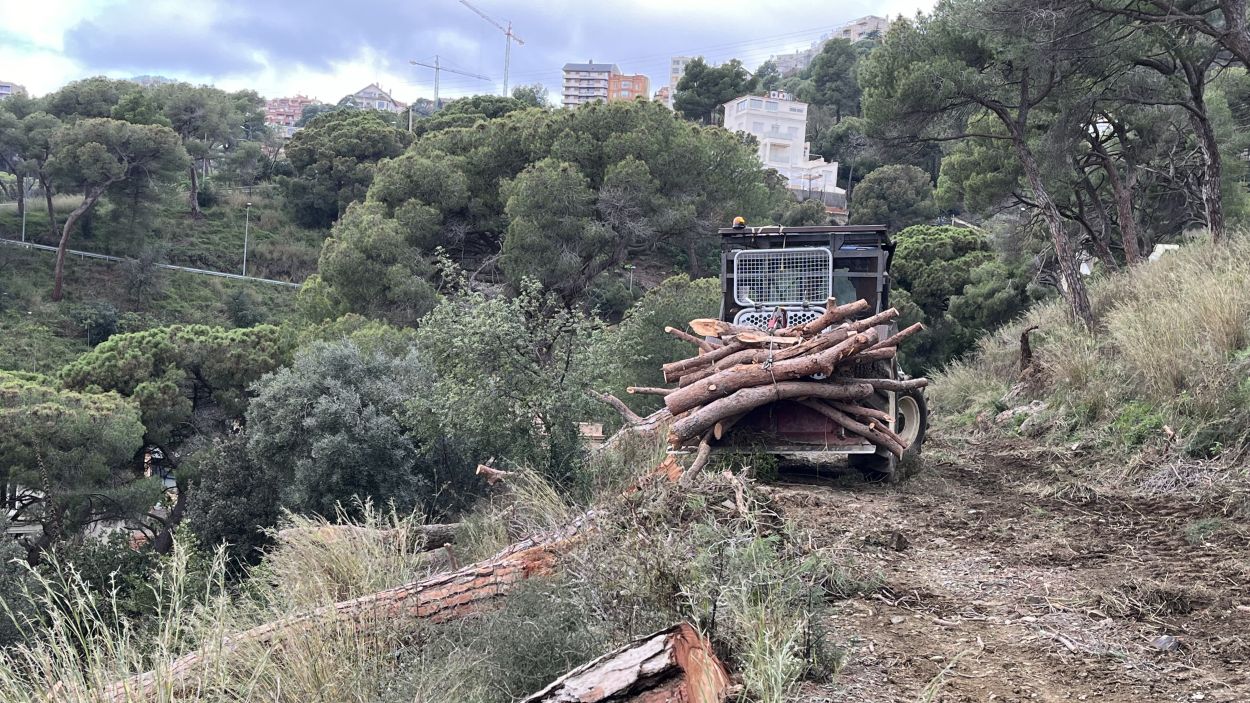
329,48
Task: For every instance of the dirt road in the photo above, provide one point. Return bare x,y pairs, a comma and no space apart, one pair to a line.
1005,582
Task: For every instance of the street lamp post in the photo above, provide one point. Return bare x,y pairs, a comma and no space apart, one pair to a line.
247,223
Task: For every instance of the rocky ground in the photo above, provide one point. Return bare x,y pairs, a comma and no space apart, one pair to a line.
1007,580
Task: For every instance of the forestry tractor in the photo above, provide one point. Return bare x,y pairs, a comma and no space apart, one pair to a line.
778,277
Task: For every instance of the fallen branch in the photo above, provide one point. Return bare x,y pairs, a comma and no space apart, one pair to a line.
687,337
675,665
648,390
673,371
701,458
492,474
859,428
630,417
832,315
897,338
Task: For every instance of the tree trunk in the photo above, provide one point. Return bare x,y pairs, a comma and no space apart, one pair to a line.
194,198
1212,203
58,272
1121,193
439,598
1065,252
21,197
676,664
47,196
165,540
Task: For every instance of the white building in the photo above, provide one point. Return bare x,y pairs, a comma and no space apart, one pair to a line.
587,82
779,123
371,97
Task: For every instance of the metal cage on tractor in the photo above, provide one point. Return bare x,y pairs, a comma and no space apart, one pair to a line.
791,272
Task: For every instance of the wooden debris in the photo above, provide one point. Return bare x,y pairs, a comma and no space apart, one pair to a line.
687,337
675,665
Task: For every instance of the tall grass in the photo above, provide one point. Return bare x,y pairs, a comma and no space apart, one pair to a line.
1171,335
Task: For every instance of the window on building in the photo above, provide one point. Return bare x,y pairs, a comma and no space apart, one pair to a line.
757,103
792,132
771,106
381,104
757,127
742,105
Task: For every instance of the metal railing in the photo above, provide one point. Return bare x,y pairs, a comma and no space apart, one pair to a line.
170,267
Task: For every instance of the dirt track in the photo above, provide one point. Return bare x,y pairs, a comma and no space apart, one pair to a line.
998,587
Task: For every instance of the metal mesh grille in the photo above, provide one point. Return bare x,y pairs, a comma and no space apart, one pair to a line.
782,276
759,318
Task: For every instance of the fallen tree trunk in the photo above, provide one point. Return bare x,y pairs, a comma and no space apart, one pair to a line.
675,665
726,382
438,598
747,399
895,339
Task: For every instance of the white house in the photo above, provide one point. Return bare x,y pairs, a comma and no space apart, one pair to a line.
374,98
779,123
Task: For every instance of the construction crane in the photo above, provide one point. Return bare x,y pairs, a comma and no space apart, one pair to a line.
438,68
509,37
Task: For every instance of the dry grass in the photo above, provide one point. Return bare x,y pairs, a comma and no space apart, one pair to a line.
60,204
1172,336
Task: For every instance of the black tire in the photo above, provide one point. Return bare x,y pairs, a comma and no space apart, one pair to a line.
912,422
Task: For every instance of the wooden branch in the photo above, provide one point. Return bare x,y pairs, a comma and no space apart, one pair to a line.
710,327
701,458
854,426
869,322
648,390
757,337
747,399
687,337
875,354
492,474
672,371
630,417
895,339
726,382
889,384
1026,350
832,315
861,411
722,426
675,665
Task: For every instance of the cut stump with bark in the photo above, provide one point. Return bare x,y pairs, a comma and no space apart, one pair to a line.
676,665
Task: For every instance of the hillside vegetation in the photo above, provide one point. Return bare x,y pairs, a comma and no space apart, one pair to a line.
1168,365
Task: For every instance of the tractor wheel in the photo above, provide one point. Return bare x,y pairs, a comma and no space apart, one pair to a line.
912,420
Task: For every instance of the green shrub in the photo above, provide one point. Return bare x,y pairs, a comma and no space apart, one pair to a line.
1136,422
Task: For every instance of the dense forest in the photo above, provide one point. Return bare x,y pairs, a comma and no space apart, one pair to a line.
462,290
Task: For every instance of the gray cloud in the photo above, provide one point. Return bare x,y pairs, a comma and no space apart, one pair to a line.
244,36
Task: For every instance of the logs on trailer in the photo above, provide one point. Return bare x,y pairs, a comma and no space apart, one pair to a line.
676,664
828,364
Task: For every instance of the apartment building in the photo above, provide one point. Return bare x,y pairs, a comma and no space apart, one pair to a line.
7,89
587,82
287,111
664,96
590,82
779,124
623,86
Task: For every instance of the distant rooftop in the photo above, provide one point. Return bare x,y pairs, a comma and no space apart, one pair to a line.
592,66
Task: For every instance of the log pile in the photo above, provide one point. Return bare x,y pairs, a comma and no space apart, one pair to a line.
738,369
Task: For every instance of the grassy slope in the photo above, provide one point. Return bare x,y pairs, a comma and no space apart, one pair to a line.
39,335
1172,349
276,248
